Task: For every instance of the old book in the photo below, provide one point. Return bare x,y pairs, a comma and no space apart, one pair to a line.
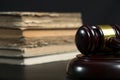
38,59
35,38
36,51
40,20
34,33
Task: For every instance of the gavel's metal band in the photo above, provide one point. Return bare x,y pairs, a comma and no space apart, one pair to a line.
108,31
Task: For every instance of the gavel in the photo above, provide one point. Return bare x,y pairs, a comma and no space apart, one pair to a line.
92,39
99,45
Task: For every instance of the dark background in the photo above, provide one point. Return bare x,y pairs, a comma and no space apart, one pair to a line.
93,11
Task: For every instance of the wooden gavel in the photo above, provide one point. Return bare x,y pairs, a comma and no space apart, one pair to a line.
98,38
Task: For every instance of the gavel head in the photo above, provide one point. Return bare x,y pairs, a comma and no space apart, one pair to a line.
93,39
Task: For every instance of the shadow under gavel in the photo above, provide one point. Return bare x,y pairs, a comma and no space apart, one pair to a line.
100,48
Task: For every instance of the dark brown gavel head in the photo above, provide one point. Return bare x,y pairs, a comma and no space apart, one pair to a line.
98,38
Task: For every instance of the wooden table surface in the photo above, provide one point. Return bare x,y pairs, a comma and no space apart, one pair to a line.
48,71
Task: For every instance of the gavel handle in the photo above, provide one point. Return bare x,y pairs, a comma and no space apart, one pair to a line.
114,43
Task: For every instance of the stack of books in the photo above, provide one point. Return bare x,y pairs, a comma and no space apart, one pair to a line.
28,38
